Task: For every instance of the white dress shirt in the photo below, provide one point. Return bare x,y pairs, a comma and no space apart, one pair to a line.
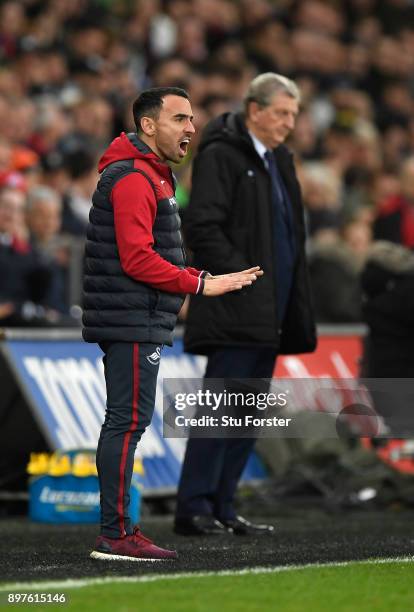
260,148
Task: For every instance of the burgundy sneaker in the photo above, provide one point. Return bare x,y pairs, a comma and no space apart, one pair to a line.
135,547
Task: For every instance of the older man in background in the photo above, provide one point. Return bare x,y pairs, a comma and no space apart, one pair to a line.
245,208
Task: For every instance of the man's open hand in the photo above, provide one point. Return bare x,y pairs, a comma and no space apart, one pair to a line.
224,283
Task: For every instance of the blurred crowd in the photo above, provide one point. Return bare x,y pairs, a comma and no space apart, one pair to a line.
69,72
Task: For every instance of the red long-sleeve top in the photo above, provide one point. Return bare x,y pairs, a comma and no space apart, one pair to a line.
135,208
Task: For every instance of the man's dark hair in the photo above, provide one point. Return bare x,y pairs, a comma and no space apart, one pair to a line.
150,101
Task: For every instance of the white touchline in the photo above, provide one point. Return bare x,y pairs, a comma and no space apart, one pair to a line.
83,582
